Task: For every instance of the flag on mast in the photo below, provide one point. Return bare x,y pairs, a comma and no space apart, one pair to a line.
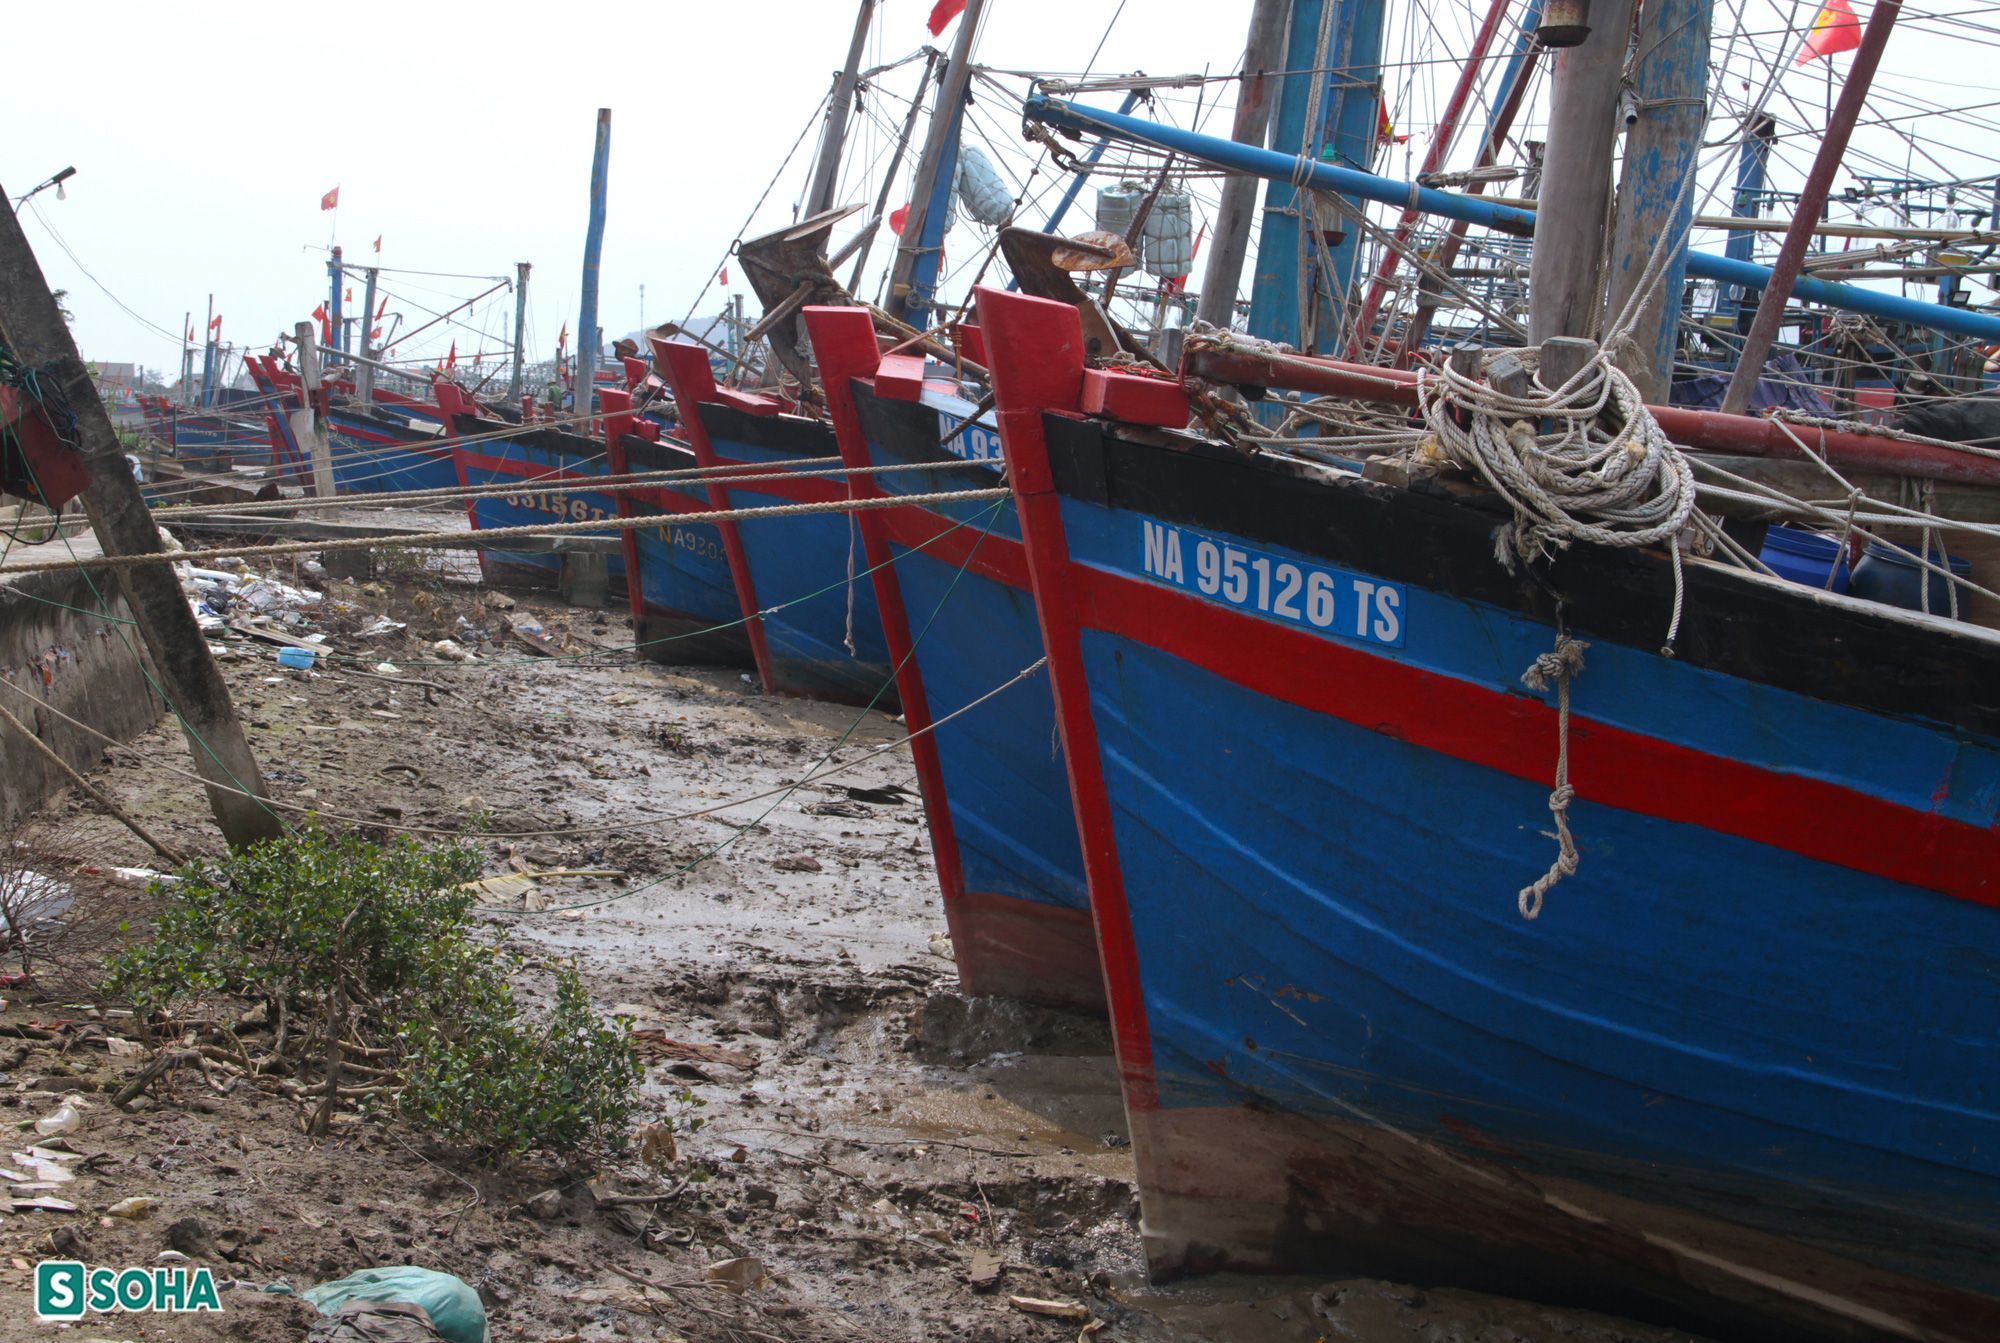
331,200
1835,30
943,13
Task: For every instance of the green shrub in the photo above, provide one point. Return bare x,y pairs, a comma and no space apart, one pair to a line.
329,928
507,1084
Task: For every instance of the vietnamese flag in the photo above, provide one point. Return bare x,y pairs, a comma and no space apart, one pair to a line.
1835,30
378,242
331,200
451,361
216,323
898,218
319,313
943,13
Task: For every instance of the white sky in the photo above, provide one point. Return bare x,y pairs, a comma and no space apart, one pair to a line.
203,138
204,135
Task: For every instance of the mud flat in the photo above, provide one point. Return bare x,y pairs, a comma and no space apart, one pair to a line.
900,1161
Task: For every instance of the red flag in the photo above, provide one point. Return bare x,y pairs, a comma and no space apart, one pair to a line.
215,324
898,218
943,13
725,277
452,360
563,339
350,295
319,313
384,308
378,242
331,200
1835,30
376,334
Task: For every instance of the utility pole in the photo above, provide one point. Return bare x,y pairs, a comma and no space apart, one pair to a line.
307,427
889,177
33,327
1669,88
826,174
923,228
1576,183
1812,203
593,249
364,372
1262,52
521,269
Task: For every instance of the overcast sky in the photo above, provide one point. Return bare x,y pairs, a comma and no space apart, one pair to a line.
204,136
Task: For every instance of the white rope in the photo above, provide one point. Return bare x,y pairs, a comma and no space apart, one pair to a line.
1558,665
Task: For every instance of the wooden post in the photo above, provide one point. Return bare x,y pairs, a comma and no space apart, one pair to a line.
1812,201
364,372
1576,183
521,269
1263,50
307,427
941,135
33,327
826,174
875,216
1670,86
587,345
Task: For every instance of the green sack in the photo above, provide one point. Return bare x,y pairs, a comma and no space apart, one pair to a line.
453,1306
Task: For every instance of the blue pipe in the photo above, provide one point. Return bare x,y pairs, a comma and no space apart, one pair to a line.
1478,210
1077,181
587,349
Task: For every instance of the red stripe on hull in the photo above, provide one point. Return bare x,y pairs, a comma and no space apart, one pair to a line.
1517,735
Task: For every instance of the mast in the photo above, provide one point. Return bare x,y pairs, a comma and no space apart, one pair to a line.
521,269
889,177
915,275
1812,203
1506,105
1749,203
336,328
587,346
1328,109
364,368
826,174
1262,49
1669,88
208,357
1576,181
1434,156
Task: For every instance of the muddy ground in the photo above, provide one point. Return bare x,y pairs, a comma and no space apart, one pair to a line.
900,1161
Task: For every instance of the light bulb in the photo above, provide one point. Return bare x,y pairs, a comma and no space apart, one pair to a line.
61,195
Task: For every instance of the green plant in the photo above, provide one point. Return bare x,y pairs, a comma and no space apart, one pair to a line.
507,1084
351,944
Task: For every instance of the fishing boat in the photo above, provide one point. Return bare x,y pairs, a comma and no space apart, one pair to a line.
683,605
812,620
1734,1076
952,584
376,449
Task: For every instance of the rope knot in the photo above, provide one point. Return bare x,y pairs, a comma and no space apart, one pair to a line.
1559,664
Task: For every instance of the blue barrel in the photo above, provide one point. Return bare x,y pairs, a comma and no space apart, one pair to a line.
1894,578
1804,557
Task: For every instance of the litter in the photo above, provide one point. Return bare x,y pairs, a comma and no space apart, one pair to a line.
64,1120
301,659
376,1322
379,625
1061,1310
453,1306
134,1209
453,652
738,1275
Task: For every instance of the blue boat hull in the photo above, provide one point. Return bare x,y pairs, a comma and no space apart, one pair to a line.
796,570
954,591
372,455
1737,1076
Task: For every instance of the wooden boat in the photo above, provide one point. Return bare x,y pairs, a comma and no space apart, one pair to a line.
952,583
812,634
1736,1077
684,604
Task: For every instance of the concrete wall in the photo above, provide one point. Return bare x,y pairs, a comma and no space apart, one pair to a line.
81,664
